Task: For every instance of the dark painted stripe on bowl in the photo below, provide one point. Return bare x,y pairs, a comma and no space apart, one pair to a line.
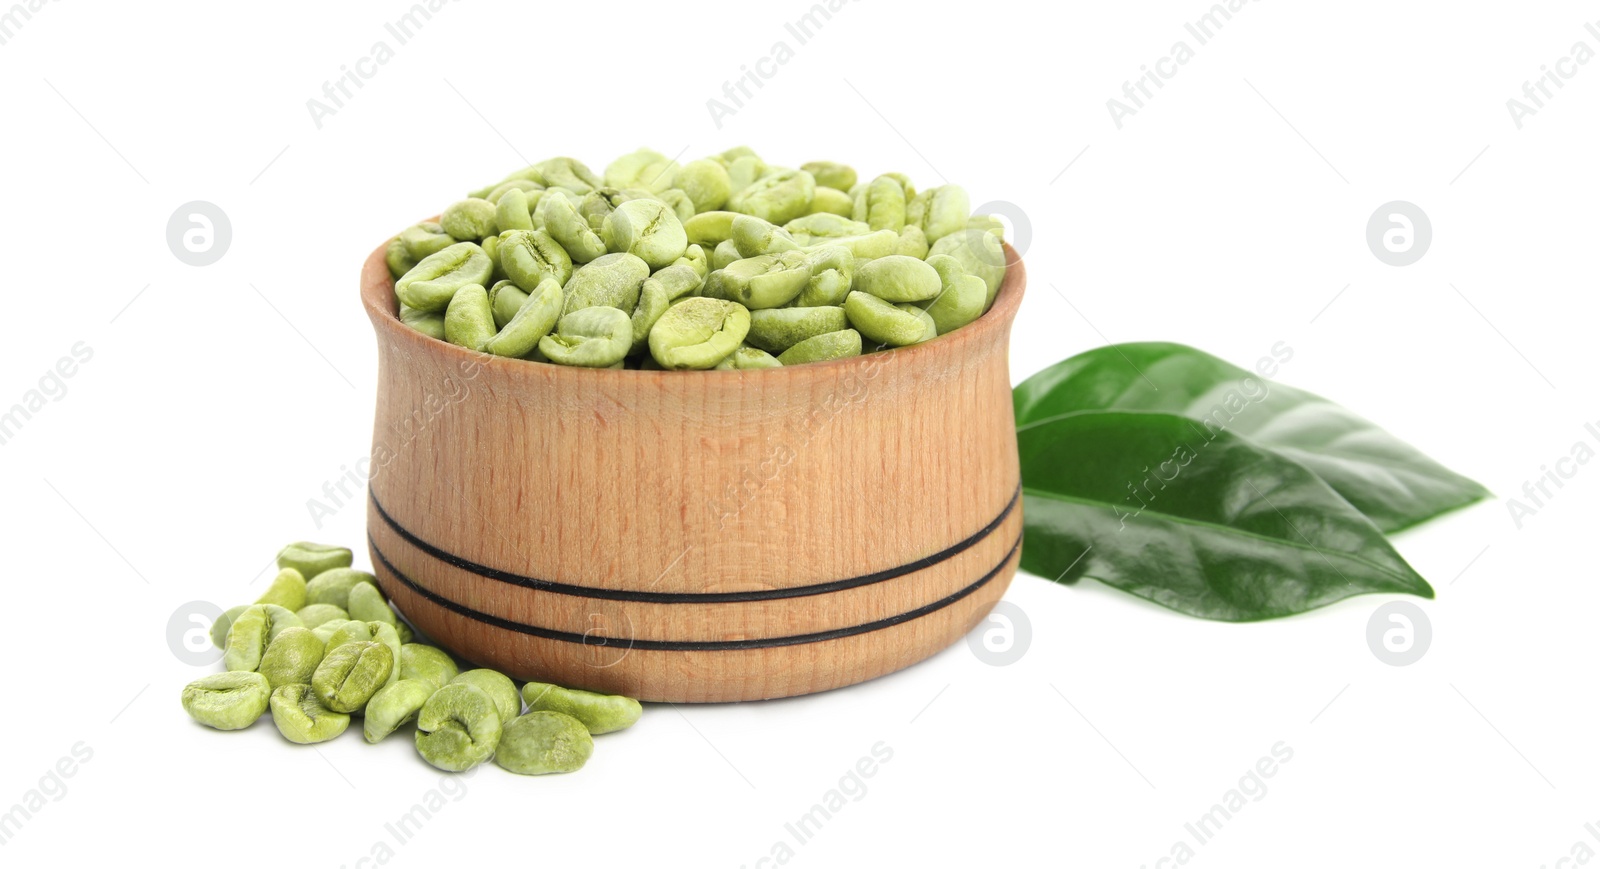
687,597
687,646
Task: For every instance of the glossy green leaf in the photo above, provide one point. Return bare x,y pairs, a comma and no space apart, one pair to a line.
1395,485
1203,522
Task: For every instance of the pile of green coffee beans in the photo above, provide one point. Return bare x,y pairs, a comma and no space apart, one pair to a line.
323,644
723,262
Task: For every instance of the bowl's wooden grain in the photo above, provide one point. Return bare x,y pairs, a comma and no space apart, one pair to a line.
695,536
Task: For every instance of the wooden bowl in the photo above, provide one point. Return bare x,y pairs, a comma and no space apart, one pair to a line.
695,536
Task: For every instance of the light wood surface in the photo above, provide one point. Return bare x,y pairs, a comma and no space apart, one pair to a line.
695,536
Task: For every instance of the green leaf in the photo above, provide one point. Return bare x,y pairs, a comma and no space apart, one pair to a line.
1395,485
1203,522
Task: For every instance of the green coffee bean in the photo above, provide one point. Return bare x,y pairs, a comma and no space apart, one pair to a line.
333,586
426,664
747,357
659,291
599,713
980,255
511,211
873,245
613,280
469,321
833,270
227,701
777,329
393,706
430,323
397,258
531,174
371,631
913,243
533,320
544,742
753,236
367,604
837,176
898,279
252,631
653,302
710,227
569,229
566,173
743,172
905,183
291,657
725,254
596,337
817,227
698,332
498,686
599,205
350,674
917,208
961,296
433,282
302,717
594,206
458,727
534,198
219,628
313,558
930,329
947,211
727,157
833,345
404,633
328,629
424,240
883,204
505,299
647,229
766,281
573,199
776,198
706,184
644,169
497,193
530,257
694,258
680,203
884,323
834,203
469,219
316,615
679,279
987,223
491,249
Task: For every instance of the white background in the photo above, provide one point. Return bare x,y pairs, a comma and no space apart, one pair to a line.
1229,213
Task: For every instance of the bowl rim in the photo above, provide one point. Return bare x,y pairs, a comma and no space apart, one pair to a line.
383,309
